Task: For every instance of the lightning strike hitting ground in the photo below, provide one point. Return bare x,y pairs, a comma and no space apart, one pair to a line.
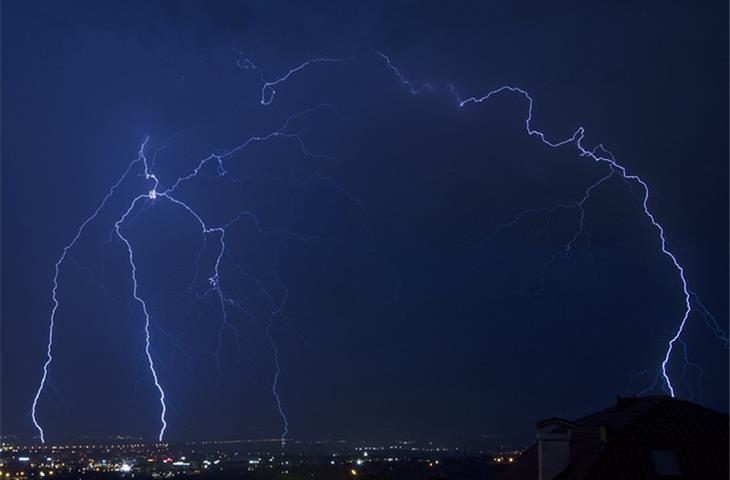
156,194
605,158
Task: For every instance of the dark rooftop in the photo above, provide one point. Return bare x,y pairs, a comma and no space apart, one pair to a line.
640,437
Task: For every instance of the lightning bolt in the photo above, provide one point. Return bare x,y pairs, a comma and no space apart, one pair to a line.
54,290
601,156
577,139
150,197
598,155
267,86
426,87
135,294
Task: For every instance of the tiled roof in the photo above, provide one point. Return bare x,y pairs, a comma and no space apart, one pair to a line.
633,428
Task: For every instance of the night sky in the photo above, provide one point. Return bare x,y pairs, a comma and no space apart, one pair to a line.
401,316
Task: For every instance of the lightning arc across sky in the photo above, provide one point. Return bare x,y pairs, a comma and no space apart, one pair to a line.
156,193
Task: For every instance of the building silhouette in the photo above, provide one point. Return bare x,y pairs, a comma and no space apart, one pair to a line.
656,437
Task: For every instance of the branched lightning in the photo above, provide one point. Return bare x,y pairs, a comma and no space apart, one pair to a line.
154,194
54,290
710,320
688,363
580,229
577,139
267,86
136,295
158,192
411,86
602,156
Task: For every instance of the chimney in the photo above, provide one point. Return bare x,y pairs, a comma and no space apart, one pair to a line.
553,446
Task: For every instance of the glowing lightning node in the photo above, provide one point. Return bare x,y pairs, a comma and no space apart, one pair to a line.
284,133
267,93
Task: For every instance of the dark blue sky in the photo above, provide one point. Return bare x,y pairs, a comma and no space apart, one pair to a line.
396,323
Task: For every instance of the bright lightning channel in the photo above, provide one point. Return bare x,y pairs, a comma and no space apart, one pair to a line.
267,87
605,158
154,194
54,290
268,91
